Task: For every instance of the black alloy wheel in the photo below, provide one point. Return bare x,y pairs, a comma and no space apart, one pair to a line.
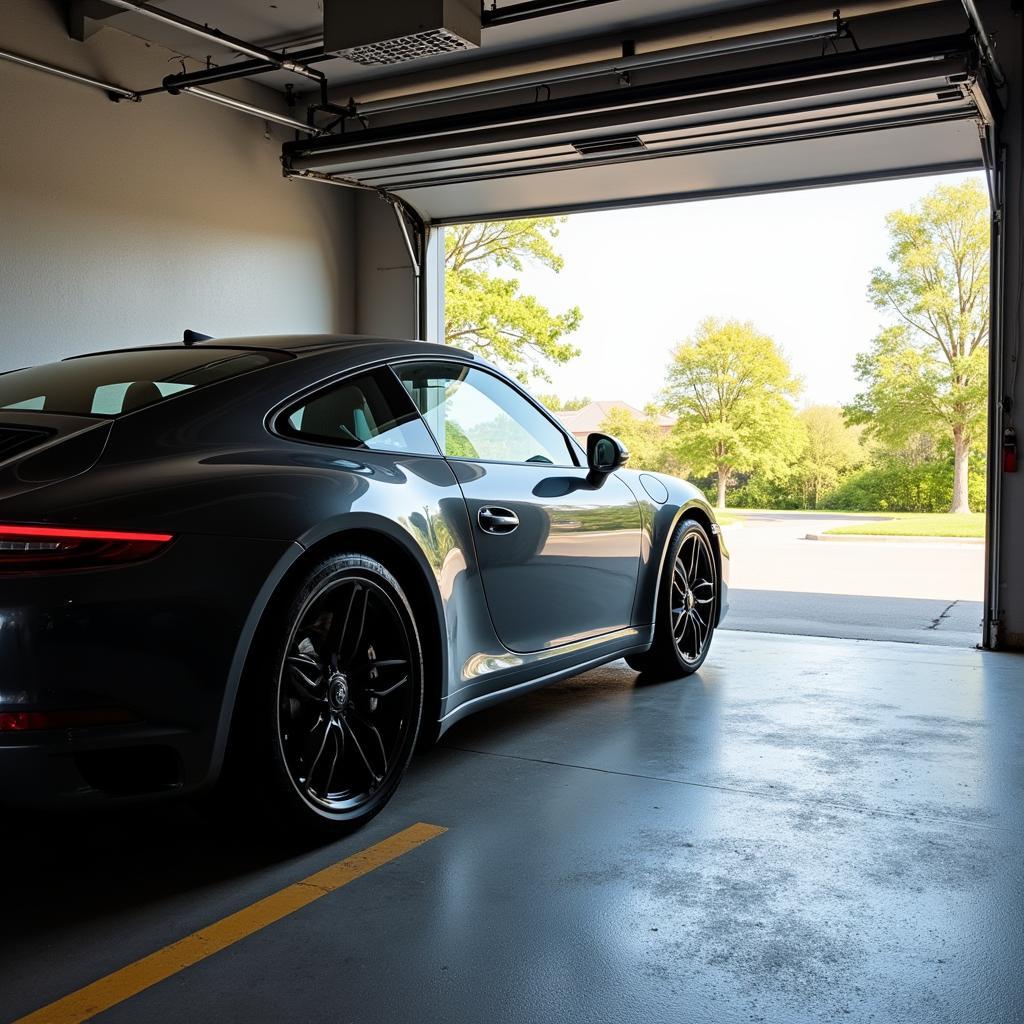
687,607
693,597
346,696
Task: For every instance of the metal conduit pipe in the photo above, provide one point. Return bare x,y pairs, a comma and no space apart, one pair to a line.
215,35
208,76
115,92
594,69
249,108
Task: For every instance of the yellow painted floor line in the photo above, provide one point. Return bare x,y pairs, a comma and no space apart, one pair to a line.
129,981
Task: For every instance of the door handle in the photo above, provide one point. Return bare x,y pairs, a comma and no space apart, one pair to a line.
495,519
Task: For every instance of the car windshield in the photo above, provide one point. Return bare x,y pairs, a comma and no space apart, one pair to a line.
119,382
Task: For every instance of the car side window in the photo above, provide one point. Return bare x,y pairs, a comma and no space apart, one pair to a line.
475,415
368,411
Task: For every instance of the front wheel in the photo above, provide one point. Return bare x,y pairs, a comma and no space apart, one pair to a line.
687,605
334,707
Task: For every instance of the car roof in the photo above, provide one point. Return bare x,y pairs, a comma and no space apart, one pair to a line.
306,344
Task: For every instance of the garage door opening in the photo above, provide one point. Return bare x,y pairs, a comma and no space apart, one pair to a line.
865,98
815,361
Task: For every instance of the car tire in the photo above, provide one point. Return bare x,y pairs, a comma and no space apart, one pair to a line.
687,607
331,705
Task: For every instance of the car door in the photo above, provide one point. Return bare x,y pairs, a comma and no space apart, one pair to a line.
558,551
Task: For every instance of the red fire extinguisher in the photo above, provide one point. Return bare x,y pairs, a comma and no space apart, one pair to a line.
1009,450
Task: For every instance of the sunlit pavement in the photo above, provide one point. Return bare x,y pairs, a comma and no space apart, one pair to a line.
921,592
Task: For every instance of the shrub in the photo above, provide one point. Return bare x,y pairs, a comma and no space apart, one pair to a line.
896,487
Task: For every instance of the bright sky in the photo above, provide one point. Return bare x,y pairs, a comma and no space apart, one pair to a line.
797,264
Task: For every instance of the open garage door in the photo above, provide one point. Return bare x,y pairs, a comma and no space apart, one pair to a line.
887,93
845,115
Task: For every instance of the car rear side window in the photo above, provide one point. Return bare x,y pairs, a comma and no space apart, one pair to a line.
115,383
371,411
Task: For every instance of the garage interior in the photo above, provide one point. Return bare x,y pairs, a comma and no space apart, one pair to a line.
807,829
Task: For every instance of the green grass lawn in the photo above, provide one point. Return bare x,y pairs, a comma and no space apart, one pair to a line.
896,524
920,524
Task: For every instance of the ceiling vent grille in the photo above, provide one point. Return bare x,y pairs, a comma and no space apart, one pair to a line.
398,51
621,144
398,31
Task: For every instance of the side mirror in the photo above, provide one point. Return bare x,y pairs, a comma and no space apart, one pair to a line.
605,454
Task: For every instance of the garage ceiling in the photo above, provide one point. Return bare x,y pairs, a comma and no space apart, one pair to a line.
294,24
629,101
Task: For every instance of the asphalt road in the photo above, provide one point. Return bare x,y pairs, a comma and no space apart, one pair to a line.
927,593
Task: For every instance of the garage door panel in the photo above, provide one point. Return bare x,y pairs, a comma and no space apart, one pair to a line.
709,135
786,124
893,152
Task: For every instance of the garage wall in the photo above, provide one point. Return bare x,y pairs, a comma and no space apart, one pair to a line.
385,290
124,223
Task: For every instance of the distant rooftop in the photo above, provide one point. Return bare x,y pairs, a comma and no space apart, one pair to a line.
589,419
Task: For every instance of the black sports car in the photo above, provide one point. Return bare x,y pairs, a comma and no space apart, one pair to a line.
270,563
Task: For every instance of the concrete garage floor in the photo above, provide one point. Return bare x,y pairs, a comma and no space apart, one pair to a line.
808,830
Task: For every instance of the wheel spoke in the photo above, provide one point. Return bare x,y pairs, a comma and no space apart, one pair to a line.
335,734
347,726
375,732
305,676
679,575
316,741
346,650
679,629
385,663
700,632
337,629
391,689
693,559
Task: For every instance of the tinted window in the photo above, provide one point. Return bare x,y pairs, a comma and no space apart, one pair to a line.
475,415
119,382
369,411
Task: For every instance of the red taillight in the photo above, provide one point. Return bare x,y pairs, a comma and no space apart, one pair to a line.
74,718
46,548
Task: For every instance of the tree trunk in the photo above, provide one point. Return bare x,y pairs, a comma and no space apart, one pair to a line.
961,502
723,476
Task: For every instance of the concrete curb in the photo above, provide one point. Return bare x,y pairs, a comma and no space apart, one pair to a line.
888,538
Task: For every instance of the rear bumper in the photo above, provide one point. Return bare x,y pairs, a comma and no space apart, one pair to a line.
163,640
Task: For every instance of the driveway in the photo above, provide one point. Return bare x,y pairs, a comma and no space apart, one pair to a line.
914,591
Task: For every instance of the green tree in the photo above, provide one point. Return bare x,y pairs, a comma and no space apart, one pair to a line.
832,450
731,388
485,311
927,372
556,404
650,447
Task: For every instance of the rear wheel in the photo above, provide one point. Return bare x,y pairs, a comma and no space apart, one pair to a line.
686,607
333,713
